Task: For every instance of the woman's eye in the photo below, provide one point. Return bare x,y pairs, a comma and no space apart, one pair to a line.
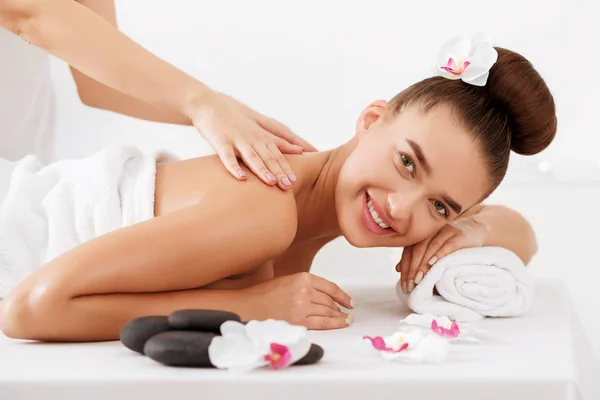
440,208
408,163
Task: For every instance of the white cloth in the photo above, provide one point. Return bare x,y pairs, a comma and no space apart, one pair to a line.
49,210
27,102
473,283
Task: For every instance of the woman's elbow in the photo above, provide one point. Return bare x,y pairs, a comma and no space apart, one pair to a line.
27,314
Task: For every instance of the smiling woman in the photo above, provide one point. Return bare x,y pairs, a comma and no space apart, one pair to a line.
415,164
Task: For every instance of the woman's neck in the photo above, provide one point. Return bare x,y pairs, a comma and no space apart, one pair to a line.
316,192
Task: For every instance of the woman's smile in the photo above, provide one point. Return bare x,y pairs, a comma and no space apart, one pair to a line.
374,217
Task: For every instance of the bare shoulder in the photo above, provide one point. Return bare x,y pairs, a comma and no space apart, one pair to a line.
248,206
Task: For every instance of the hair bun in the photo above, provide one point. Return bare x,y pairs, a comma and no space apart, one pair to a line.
519,92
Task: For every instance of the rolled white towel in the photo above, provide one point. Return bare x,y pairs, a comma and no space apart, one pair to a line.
473,283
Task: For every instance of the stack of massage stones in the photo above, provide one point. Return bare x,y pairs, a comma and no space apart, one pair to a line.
182,338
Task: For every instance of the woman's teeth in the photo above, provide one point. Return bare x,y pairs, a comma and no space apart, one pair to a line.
375,216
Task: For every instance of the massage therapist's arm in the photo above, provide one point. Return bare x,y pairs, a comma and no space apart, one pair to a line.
103,53
506,228
95,94
154,268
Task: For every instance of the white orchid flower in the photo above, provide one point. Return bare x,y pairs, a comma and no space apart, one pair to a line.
466,58
411,346
242,348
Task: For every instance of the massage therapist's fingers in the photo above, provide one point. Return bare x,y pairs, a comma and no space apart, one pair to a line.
253,160
230,161
288,176
286,147
272,165
281,131
321,298
332,290
325,323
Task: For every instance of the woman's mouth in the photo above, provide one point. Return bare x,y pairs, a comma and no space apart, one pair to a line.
372,219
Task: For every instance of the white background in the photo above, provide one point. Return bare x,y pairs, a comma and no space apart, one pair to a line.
314,65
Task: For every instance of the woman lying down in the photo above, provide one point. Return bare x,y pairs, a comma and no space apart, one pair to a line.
188,235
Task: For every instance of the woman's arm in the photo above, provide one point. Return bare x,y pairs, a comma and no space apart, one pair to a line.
154,268
479,226
506,228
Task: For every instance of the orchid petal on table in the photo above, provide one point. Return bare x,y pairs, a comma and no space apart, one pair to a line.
411,346
273,343
445,327
467,58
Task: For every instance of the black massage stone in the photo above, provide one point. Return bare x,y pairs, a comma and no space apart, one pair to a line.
136,332
201,320
180,348
314,355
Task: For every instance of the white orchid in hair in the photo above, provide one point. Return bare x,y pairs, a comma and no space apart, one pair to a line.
242,348
467,58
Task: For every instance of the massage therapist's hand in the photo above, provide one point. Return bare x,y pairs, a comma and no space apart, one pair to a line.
235,130
301,299
418,258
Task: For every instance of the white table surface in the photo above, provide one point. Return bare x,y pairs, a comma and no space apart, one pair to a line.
546,358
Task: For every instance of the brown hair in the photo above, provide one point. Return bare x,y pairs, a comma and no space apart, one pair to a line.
513,111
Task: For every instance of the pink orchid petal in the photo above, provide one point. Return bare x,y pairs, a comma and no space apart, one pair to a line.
279,357
452,333
380,345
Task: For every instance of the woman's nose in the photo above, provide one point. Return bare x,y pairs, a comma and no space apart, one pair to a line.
401,205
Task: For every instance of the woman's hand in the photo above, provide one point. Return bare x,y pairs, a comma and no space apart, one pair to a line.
301,299
418,258
235,130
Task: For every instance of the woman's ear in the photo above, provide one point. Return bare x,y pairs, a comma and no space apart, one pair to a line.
373,113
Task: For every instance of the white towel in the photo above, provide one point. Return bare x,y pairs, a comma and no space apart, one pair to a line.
473,283
48,210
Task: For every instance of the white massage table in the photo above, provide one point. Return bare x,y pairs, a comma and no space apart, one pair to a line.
548,358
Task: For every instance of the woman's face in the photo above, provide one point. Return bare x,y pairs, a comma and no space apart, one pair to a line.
408,176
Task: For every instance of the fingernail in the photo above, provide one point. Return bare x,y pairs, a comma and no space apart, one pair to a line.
404,288
286,181
349,319
418,277
433,260
292,177
352,303
411,286
271,177
241,173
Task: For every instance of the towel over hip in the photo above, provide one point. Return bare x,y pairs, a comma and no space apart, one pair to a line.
48,210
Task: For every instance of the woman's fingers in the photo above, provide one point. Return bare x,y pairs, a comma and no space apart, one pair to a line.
317,310
324,323
433,251
418,252
332,290
321,298
404,266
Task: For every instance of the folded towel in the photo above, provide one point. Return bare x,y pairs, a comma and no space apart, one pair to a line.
48,210
473,283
